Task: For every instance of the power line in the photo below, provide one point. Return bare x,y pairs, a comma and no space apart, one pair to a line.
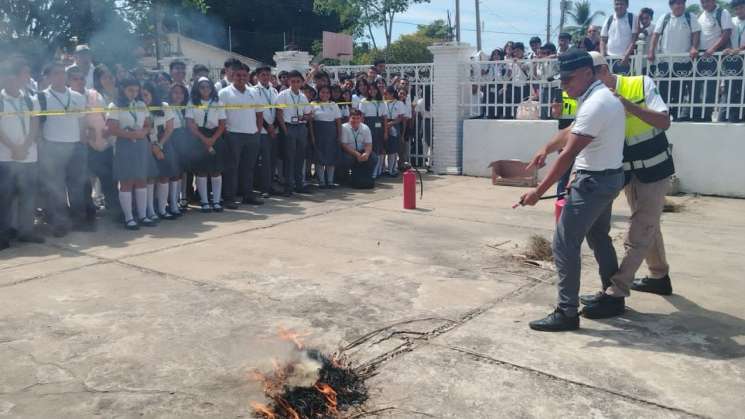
470,29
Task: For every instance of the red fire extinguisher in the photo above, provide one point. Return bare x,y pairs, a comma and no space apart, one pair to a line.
410,175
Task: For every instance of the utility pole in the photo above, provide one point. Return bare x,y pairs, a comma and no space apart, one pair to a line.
548,21
563,4
478,26
457,20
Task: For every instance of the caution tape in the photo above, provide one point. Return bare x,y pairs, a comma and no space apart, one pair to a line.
148,109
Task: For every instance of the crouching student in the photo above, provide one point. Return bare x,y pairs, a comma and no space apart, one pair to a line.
206,120
327,131
132,155
358,155
163,151
18,157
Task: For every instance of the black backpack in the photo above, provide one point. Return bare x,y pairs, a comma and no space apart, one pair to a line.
630,17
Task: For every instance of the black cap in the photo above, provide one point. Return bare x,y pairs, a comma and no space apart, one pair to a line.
573,59
565,35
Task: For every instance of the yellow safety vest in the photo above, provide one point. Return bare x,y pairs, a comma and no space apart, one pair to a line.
647,151
568,106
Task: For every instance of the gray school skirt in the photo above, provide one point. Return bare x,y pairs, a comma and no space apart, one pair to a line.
377,133
326,142
133,160
186,148
210,163
169,167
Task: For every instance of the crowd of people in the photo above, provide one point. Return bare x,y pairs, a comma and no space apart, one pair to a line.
87,138
678,32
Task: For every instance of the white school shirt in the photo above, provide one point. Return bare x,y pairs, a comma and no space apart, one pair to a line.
395,108
63,128
409,106
17,127
738,32
160,121
710,31
619,33
356,99
362,136
344,111
602,117
214,116
677,36
240,121
132,117
326,112
298,105
267,95
372,108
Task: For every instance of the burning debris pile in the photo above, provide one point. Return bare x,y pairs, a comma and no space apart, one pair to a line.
310,385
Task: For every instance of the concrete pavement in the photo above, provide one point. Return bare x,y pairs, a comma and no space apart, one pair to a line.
167,322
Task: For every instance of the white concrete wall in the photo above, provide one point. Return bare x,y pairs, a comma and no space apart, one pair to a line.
708,157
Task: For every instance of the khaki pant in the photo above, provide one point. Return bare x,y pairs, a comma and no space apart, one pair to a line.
644,239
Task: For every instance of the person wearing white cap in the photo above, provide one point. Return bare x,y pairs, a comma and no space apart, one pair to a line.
84,60
648,165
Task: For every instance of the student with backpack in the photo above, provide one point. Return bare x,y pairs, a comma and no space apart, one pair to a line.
619,34
716,30
676,32
735,111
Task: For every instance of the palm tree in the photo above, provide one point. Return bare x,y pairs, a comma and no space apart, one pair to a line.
582,15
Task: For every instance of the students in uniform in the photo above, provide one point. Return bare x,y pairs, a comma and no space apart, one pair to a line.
101,153
327,134
228,79
407,127
716,31
595,144
292,119
62,155
357,150
735,111
206,121
181,143
132,152
243,137
19,135
177,69
345,105
395,117
164,161
374,110
266,94
360,92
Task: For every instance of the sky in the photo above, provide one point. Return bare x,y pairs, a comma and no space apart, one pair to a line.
504,20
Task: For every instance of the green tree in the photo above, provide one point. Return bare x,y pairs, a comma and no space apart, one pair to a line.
410,49
436,30
582,15
368,14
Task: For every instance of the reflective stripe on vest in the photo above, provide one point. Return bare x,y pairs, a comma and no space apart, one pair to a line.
645,136
644,164
568,106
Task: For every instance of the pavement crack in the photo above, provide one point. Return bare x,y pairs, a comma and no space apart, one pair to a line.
627,397
50,274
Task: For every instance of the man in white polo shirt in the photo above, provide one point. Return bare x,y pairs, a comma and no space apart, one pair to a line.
267,94
243,137
594,144
19,134
62,157
716,30
619,33
292,121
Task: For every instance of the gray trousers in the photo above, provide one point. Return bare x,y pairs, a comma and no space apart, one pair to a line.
586,214
17,180
240,162
63,173
296,141
267,162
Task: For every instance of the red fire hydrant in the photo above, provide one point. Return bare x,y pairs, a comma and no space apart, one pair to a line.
409,189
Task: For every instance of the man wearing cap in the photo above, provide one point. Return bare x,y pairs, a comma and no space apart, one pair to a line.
84,61
594,144
648,166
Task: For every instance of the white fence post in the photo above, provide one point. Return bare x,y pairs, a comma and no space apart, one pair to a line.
450,69
292,60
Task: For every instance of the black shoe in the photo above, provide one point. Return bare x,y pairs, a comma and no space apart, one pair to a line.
265,195
660,286
276,192
556,322
605,307
85,226
59,231
231,205
588,299
4,244
146,222
30,238
304,190
167,216
252,200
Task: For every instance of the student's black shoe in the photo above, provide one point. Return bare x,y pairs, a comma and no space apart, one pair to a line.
206,208
217,207
304,190
4,244
131,225
661,286
167,216
231,205
252,200
30,238
146,222
265,195
11,233
588,299
276,192
85,226
605,307
59,231
556,322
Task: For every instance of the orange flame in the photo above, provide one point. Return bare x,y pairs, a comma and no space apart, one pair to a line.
286,406
264,410
294,337
329,393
